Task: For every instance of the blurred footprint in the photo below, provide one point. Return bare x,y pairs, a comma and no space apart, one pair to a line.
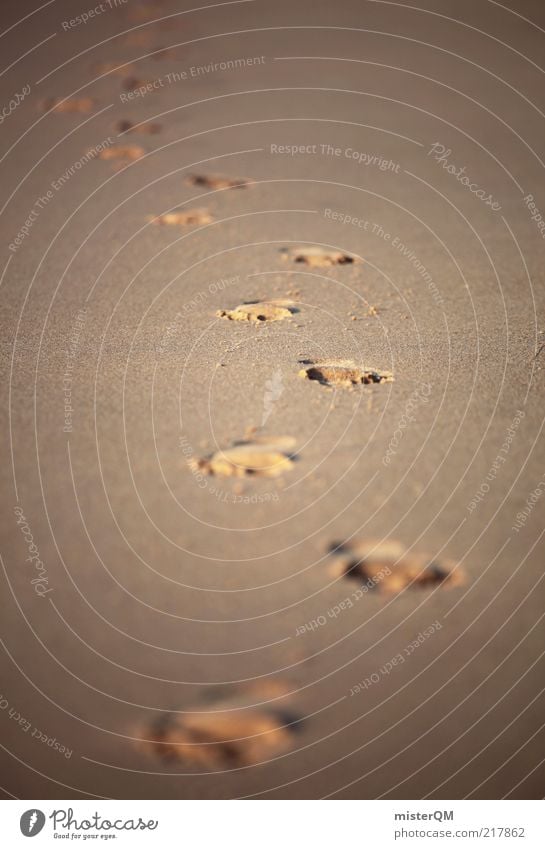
223,732
318,257
128,152
211,181
143,13
122,155
187,218
146,128
387,567
160,53
132,83
266,456
139,39
57,104
112,68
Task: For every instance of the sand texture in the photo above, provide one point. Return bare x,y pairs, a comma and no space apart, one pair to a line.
273,390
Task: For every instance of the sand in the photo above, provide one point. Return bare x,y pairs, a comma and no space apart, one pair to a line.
175,622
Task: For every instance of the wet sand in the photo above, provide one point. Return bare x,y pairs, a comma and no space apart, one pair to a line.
297,554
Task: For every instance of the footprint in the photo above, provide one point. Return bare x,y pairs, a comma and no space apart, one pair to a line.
165,53
224,732
139,39
387,567
343,373
182,219
112,68
266,457
318,257
147,128
142,14
211,181
260,311
132,83
76,104
126,152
